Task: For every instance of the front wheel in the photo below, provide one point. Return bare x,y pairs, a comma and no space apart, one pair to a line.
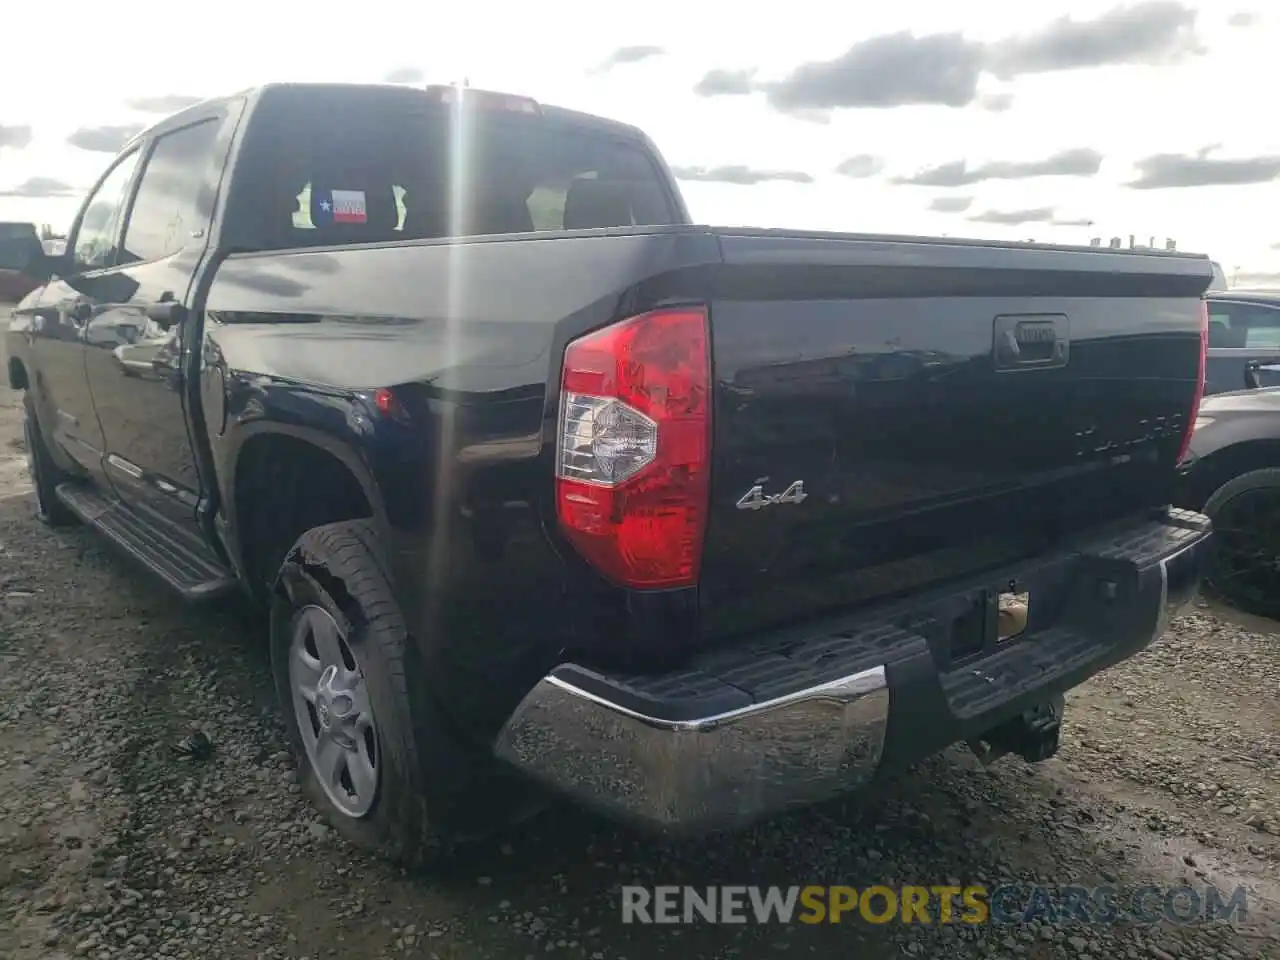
45,475
1245,566
374,752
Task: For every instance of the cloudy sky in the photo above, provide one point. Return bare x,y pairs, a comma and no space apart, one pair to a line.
1055,121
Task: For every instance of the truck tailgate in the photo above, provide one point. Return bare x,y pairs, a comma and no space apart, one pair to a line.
890,414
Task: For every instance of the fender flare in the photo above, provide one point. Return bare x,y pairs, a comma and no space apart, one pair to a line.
232,444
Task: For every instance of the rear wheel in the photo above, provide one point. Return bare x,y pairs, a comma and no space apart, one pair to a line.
1245,567
45,475
375,753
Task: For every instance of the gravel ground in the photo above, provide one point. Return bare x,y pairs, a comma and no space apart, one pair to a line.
114,845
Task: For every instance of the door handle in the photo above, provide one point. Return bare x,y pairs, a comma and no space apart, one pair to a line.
1254,369
80,312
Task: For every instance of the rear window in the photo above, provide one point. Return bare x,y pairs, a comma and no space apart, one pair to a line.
365,167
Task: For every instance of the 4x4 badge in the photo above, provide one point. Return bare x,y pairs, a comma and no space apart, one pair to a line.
756,498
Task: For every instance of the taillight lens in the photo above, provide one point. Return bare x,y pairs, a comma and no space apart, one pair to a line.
632,457
1200,375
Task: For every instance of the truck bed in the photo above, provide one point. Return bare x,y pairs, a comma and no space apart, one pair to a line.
886,375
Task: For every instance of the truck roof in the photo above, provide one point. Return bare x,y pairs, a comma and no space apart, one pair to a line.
1246,295
252,94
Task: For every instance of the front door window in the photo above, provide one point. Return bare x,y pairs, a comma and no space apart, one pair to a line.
94,245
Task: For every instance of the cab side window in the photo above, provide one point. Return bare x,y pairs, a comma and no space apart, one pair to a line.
172,205
1263,330
1221,332
94,245
1244,326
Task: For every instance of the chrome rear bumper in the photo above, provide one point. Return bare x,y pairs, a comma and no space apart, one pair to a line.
711,747
712,772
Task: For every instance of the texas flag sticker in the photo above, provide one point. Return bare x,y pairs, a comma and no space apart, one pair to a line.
338,206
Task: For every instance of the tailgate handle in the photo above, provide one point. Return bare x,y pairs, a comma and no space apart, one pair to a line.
1031,342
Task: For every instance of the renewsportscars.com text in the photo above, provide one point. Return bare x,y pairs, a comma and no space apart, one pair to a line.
941,904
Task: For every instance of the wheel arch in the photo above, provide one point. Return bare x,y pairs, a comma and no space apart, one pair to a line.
269,464
18,374
1224,464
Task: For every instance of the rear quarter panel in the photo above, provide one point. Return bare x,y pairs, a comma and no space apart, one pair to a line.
470,336
1237,432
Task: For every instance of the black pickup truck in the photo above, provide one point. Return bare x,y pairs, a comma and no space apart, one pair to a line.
544,485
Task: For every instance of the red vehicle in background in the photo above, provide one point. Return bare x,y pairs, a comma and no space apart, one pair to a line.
17,237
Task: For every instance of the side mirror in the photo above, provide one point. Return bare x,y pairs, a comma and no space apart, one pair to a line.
49,265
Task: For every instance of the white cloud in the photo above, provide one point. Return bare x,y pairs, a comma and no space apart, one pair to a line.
548,50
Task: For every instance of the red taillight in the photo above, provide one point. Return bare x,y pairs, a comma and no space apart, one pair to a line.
1200,374
632,457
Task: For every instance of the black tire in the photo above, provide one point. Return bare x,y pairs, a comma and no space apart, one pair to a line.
45,475
1244,568
432,790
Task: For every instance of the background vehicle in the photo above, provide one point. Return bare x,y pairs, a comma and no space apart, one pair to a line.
1244,328
1219,281
1232,473
19,242
542,483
